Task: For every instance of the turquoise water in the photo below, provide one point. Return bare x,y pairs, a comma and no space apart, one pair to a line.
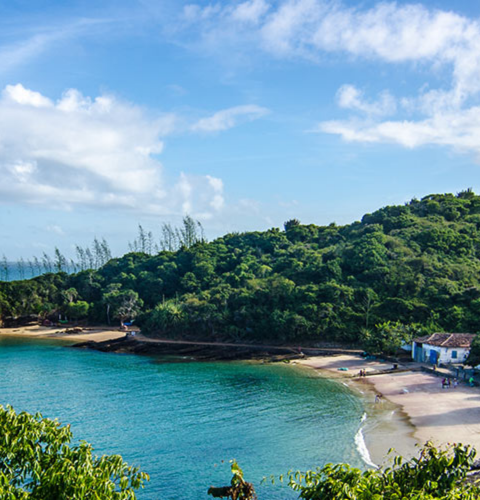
178,421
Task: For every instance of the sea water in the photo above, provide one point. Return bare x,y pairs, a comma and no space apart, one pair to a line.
183,421
13,271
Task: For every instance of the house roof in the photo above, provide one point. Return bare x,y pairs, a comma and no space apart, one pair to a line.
447,339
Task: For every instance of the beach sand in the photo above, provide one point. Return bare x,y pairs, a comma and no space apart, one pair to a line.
97,334
414,408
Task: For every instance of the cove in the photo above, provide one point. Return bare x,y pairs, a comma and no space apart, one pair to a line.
178,421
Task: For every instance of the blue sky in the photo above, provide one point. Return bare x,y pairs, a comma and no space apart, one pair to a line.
242,113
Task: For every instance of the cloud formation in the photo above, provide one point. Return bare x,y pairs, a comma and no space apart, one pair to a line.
458,129
22,51
442,42
229,118
387,32
92,152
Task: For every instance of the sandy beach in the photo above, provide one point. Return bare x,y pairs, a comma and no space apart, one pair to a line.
97,334
414,408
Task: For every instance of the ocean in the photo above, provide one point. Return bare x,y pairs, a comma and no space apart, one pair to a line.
181,422
14,271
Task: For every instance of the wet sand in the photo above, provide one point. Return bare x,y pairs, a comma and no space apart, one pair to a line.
413,409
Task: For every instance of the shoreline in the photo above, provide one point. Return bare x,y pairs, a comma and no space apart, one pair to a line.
413,409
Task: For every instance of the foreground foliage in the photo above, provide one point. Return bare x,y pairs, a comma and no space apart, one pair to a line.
401,271
435,475
37,462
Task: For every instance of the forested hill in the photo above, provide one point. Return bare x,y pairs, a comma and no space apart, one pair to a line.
416,266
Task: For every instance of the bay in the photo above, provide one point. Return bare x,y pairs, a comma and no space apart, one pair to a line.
182,422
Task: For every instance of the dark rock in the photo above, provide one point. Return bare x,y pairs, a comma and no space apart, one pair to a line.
17,321
189,352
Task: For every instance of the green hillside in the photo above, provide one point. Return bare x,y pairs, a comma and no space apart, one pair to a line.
416,266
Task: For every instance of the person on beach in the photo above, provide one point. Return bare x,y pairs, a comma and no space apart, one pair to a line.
378,397
444,383
455,383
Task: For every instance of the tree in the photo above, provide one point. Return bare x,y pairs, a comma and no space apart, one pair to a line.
387,338
169,238
37,462
5,268
121,304
167,317
474,355
70,295
60,262
47,263
290,224
78,310
191,232
21,268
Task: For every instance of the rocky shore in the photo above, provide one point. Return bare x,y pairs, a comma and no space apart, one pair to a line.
191,351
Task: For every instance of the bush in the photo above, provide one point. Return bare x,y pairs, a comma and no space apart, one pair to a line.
38,463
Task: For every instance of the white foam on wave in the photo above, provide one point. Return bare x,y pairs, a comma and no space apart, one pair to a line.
362,447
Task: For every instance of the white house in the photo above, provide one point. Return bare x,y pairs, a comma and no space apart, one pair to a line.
442,348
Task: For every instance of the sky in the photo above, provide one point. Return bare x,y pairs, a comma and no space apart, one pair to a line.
242,114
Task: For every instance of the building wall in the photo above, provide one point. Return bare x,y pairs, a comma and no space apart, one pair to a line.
444,354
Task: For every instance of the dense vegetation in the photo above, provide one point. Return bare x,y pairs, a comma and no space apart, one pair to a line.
399,271
37,462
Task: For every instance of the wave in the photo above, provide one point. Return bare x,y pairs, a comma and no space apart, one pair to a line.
362,447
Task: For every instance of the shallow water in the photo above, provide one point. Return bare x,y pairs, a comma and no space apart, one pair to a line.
179,421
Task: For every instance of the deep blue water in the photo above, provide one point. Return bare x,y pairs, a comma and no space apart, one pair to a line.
178,421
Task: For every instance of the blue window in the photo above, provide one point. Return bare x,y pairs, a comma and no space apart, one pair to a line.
454,354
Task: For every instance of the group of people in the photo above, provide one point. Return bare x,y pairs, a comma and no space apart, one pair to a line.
447,383
362,373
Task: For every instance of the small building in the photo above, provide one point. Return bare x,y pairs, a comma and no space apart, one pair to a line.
442,348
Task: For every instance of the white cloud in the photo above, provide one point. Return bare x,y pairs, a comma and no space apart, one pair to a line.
386,32
349,97
91,152
459,129
199,196
53,228
250,12
229,118
217,202
20,95
439,42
